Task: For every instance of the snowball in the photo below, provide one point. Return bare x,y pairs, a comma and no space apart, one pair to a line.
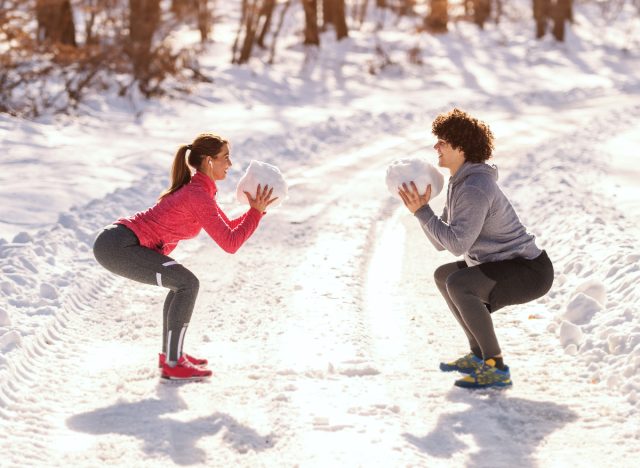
570,334
417,170
263,174
581,309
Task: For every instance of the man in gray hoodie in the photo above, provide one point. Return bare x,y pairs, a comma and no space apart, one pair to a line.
502,264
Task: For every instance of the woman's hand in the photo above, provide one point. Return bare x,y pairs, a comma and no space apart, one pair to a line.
262,199
412,198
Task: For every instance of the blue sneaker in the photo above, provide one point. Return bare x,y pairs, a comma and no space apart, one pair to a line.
487,376
466,364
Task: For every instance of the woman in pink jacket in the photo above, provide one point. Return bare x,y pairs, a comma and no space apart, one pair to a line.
137,247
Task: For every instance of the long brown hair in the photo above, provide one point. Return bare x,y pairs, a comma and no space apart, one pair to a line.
206,144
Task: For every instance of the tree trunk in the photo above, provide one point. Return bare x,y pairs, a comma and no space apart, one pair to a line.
182,8
334,12
250,28
437,19
561,14
55,22
144,18
327,13
498,10
283,12
541,10
481,12
204,20
267,12
311,34
468,7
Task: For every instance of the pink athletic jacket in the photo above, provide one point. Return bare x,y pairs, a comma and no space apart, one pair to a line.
184,213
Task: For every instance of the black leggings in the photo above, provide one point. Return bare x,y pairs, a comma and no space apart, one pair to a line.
118,249
472,293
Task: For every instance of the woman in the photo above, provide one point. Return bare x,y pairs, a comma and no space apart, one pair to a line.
137,247
502,264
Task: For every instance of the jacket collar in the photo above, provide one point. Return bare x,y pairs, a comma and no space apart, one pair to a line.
203,180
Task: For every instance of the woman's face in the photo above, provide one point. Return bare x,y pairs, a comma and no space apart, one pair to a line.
220,164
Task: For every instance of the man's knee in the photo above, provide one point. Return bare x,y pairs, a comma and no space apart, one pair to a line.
441,274
456,283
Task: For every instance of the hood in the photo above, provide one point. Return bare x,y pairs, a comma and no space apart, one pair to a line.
469,168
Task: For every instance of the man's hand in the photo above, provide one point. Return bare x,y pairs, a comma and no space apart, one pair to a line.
412,198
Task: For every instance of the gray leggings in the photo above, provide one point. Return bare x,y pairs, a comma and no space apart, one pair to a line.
472,293
118,249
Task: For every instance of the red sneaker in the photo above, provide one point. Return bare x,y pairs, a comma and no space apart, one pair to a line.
184,370
193,360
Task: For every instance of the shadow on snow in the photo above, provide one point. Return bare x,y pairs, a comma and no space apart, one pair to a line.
506,430
149,420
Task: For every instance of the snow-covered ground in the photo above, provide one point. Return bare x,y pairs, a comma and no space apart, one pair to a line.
325,330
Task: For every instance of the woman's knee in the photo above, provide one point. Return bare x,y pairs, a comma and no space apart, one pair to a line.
189,281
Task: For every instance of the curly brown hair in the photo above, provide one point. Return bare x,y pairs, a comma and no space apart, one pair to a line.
466,133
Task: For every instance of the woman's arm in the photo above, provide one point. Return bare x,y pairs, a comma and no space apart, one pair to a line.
217,225
233,223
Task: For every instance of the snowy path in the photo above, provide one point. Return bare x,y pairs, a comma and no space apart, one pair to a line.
330,317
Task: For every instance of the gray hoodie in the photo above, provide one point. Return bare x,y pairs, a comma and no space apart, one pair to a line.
478,219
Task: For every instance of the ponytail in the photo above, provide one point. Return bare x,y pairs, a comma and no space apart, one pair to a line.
206,144
180,172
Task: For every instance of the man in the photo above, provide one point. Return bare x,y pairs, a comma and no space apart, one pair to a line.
502,264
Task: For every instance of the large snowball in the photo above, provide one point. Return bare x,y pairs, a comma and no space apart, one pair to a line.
417,170
264,174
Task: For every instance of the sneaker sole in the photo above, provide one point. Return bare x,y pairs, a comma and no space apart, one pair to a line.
184,379
497,386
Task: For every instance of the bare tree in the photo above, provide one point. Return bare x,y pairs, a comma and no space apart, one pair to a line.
438,16
283,13
204,19
253,13
184,8
55,22
266,13
481,12
541,10
561,13
498,10
558,12
335,11
327,12
311,34
144,18
251,18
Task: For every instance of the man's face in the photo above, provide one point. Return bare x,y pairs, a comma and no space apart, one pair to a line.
448,157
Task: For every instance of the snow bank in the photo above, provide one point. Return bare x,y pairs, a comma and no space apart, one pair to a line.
595,299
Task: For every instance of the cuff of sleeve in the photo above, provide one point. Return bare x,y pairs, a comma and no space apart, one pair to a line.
424,213
257,212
